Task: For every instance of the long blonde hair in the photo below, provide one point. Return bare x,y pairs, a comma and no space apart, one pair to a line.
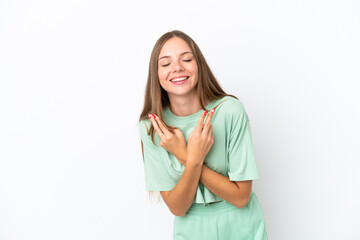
156,97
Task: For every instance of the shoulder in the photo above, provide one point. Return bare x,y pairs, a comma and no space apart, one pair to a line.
230,106
144,128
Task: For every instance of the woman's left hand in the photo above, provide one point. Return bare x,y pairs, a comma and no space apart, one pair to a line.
172,140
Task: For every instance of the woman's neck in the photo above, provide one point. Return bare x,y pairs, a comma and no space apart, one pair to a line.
184,105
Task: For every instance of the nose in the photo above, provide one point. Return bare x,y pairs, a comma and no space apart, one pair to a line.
177,66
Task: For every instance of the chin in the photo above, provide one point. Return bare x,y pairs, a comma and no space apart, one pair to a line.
180,93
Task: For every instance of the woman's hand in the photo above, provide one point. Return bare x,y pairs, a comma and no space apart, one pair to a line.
200,140
172,140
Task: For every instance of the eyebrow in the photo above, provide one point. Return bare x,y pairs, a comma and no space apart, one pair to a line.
180,55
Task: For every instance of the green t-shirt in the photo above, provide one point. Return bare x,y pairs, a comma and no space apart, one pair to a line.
231,154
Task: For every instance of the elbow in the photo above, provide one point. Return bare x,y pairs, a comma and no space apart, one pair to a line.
180,215
173,207
242,202
177,212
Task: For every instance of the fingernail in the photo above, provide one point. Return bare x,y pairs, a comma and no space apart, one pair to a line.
206,112
213,110
149,115
153,116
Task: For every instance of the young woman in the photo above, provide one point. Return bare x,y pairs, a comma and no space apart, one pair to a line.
197,147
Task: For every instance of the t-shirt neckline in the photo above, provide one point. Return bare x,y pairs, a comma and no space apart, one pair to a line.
190,118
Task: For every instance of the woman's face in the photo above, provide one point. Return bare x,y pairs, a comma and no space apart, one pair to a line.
177,68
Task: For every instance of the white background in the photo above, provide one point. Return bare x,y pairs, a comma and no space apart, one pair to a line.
73,75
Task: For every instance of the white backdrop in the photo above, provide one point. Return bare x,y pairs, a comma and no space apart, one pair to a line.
73,75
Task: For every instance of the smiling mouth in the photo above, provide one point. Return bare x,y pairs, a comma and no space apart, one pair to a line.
180,79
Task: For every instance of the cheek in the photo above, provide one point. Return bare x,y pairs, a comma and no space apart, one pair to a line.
161,75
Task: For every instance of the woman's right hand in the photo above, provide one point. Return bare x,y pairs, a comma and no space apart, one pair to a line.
200,140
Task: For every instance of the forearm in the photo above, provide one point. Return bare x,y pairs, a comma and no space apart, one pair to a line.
180,198
222,187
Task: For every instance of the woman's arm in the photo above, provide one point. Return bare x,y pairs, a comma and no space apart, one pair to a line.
235,192
180,198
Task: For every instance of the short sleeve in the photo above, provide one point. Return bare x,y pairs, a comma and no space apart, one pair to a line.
157,177
242,164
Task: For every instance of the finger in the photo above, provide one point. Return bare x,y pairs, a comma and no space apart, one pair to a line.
156,126
162,126
199,125
212,135
207,130
208,120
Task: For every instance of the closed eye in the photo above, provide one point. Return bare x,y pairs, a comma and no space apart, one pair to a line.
185,60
